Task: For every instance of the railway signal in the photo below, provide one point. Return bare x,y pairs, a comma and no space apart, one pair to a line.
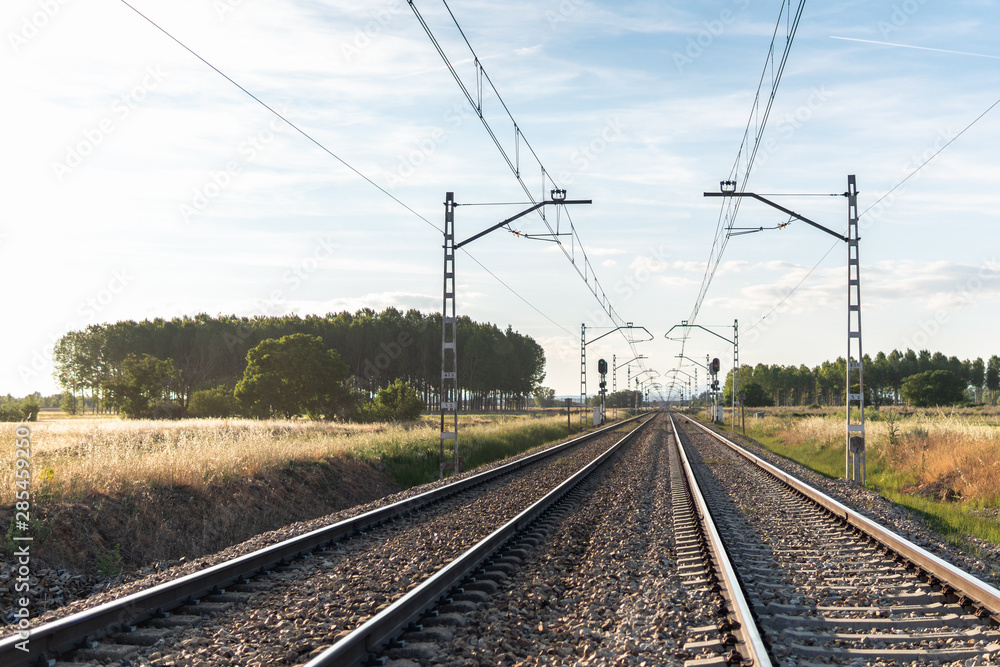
602,369
735,342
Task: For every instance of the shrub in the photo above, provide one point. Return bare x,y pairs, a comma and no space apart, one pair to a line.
30,408
397,402
218,402
166,410
18,411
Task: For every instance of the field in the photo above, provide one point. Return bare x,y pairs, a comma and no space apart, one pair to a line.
75,458
944,464
109,494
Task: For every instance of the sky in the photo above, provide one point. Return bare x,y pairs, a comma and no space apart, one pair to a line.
139,182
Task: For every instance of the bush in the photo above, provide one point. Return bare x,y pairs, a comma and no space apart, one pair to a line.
166,410
30,408
397,402
19,411
217,402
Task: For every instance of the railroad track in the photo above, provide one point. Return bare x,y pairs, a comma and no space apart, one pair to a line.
609,568
826,584
404,542
632,551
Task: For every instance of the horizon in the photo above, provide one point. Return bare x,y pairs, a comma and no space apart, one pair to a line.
143,184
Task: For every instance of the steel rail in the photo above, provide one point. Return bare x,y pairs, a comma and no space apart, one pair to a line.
52,639
753,643
379,630
960,582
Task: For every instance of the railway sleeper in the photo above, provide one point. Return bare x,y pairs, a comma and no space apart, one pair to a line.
892,637
790,621
933,609
104,653
923,655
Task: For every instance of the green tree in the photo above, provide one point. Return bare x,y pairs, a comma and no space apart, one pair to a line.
292,375
398,402
67,403
545,397
932,388
977,377
215,402
139,385
755,396
993,377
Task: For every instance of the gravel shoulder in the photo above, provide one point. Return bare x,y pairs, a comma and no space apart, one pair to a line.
981,558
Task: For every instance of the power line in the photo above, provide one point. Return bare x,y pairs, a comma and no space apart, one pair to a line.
583,268
276,113
337,157
873,205
921,165
730,207
528,303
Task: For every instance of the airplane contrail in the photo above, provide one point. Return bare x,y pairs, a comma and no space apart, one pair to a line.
922,48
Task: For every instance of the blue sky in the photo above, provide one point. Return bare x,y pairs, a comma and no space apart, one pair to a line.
141,184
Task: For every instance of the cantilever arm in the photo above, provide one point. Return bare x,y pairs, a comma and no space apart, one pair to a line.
697,326
521,215
797,216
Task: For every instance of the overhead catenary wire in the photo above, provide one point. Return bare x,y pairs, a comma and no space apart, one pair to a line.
583,266
343,162
749,146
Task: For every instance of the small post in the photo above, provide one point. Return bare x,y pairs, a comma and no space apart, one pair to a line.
569,418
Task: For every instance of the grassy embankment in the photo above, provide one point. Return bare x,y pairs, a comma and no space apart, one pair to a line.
72,459
943,464
133,492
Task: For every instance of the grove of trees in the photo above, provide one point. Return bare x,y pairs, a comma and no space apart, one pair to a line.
918,378
192,365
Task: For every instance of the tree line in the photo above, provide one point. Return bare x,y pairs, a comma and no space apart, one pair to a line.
498,369
918,378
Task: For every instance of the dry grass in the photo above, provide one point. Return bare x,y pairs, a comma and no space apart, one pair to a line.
74,458
957,450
